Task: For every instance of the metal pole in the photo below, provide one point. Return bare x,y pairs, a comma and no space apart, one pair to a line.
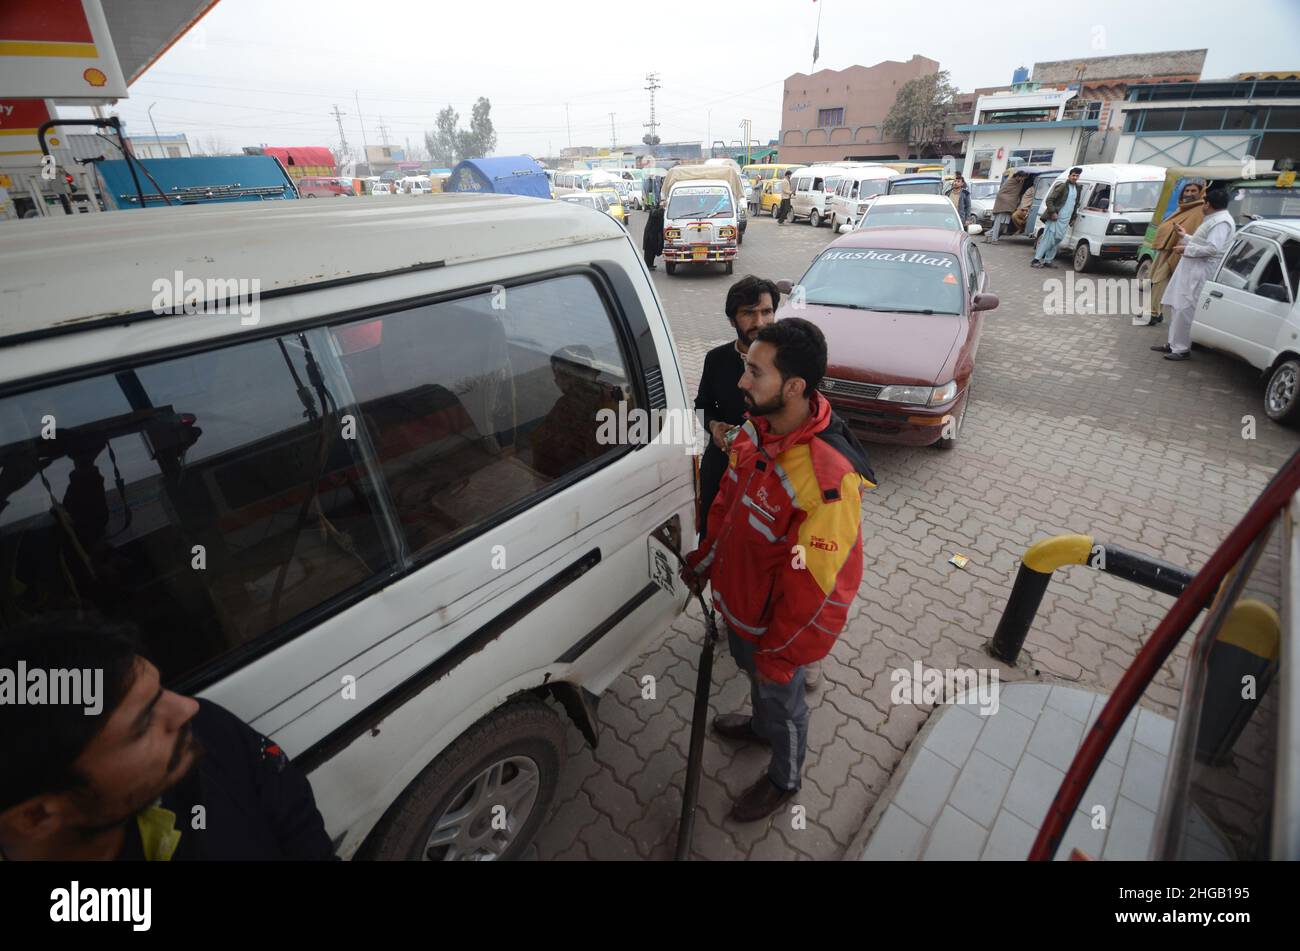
156,137
365,148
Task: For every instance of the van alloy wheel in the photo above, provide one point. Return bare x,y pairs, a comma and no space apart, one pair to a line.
486,814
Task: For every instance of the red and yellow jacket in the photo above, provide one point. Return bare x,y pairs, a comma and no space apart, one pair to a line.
784,546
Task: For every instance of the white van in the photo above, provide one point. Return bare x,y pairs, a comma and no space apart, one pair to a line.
855,192
353,499
568,181
814,188
1115,207
417,185
701,223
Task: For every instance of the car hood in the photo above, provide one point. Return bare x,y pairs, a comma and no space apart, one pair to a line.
875,347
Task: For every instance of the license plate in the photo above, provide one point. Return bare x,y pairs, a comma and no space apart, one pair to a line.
701,253
663,566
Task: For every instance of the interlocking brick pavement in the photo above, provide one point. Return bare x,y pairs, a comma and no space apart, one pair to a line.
1074,426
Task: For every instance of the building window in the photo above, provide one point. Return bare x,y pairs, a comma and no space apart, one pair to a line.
1284,118
173,152
982,164
1030,157
829,118
1203,119
1162,120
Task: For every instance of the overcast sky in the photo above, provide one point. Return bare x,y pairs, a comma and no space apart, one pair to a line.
270,71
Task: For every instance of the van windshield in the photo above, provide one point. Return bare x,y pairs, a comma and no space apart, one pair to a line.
699,203
1137,196
872,186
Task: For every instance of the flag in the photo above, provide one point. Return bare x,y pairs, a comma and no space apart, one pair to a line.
817,42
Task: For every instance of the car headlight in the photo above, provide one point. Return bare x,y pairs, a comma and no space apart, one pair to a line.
919,395
1118,227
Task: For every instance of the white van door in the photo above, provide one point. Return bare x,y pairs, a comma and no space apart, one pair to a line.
800,201
1232,315
1094,217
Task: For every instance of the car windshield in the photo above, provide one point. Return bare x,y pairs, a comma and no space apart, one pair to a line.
984,189
1137,196
917,188
586,200
699,203
913,216
1247,203
885,279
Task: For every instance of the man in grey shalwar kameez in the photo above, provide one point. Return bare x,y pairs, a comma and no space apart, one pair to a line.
1201,253
1060,208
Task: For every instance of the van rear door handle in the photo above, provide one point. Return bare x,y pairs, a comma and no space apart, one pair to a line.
1216,293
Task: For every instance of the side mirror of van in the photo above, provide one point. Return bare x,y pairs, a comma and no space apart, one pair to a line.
785,287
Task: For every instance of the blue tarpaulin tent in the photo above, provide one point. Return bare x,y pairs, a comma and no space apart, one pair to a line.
505,175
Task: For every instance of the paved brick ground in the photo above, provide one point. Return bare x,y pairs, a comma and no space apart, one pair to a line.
1074,426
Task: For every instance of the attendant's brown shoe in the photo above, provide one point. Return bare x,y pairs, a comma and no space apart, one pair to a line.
760,800
737,726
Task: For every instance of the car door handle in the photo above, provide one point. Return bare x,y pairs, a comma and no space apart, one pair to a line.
1216,293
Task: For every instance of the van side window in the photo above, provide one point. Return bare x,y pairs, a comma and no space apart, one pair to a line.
207,499
853,191
1099,192
478,403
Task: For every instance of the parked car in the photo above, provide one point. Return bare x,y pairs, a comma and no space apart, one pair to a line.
1249,309
397,487
613,202
855,192
313,187
902,310
918,183
983,192
1115,207
911,211
814,189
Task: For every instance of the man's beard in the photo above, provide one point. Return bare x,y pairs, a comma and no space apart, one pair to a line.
185,744
774,405
747,337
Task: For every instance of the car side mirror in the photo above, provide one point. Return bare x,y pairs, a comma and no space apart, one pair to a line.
785,287
985,301
974,229
846,229
1273,292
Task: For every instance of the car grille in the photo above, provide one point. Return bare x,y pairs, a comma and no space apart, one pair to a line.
862,391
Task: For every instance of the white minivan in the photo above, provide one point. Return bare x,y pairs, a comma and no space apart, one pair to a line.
343,466
1251,309
1115,207
814,187
856,191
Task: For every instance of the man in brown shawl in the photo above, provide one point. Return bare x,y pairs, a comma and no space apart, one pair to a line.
1189,215
1004,204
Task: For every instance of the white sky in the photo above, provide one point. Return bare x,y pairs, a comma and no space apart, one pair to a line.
270,71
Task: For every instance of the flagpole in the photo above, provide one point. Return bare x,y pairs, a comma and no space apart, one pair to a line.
817,41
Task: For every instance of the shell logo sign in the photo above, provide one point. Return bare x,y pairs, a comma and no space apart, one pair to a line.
58,49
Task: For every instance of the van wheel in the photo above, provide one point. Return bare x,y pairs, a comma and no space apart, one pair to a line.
815,219
834,225
1082,257
502,772
670,267
1282,396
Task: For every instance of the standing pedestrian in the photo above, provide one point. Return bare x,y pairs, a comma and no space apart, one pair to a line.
1188,216
1060,208
783,552
1201,253
755,197
959,195
787,192
1005,203
652,239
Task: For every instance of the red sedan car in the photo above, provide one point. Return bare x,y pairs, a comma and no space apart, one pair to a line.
901,309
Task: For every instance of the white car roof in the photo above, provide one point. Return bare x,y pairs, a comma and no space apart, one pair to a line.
885,201
85,268
1289,225
1114,171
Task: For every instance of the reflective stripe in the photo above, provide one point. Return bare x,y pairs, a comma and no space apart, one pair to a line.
785,480
823,630
751,504
706,561
731,474
731,618
762,529
750,430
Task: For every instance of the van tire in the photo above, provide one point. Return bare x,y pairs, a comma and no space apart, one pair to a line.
1282,394
834,224
670,267
527,729
815,219
1083,259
